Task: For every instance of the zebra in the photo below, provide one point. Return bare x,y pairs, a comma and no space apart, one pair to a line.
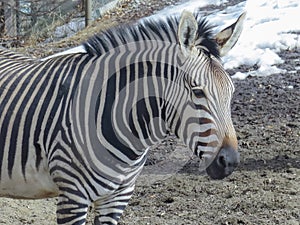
78,126
7,55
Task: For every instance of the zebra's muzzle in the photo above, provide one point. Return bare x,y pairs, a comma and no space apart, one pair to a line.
224,163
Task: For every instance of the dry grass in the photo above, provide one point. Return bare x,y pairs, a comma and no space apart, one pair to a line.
127,11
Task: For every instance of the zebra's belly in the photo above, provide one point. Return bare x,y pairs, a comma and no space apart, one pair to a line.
36,185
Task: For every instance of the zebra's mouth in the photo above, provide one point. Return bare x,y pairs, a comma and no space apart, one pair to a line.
224,163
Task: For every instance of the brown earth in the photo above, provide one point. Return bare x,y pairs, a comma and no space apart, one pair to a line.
265,189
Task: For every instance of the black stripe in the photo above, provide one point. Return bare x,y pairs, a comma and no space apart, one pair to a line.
107,126
28,124
12,104
3,103
210,144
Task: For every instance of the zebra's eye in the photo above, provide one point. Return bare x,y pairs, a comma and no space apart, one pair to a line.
199,93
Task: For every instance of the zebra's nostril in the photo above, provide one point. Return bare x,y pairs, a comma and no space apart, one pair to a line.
201,154
222,161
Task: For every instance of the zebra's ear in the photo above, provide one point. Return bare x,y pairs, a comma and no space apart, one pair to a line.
228,37
187,29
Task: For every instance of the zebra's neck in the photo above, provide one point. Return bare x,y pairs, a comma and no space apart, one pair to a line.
129,101
132,109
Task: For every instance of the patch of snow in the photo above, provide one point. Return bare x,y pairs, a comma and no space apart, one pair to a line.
240,75
190,6
102,9
270,27
69,29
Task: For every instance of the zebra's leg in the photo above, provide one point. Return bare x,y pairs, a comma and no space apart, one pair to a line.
72,207
109,211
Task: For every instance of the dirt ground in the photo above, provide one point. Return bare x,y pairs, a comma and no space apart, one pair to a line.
265,189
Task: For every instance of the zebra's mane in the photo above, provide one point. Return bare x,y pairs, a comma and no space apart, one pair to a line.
150,29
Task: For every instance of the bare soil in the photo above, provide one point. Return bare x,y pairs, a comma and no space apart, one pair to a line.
265,189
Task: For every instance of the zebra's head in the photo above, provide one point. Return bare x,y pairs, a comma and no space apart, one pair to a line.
162,75
205,123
